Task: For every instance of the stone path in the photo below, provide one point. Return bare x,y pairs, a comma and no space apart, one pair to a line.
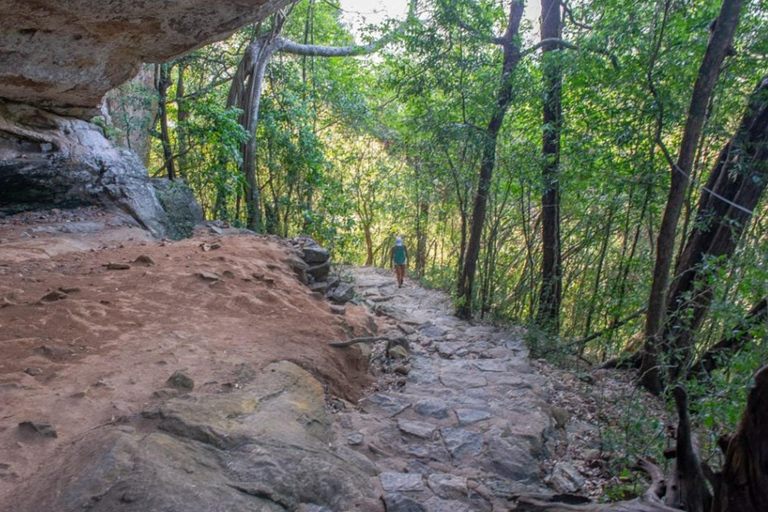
467,426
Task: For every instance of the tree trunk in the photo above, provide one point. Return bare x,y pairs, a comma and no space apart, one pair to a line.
182,117
734,188
719,42
551,267
512,55
421,241
368,245
262,50
743,484
163,82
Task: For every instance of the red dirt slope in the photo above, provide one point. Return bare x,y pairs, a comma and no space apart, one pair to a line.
83,345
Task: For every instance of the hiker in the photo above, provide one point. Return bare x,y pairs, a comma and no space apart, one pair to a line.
398,258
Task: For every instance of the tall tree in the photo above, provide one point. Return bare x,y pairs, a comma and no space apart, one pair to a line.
248,84
680,170
726,204
551,273
510,43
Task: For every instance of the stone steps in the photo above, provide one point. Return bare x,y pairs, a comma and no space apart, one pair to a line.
469,427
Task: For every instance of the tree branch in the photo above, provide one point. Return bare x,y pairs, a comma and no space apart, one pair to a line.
570,46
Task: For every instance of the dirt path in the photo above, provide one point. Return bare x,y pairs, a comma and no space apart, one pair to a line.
465,428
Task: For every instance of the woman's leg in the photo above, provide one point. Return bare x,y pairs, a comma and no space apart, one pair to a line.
400,270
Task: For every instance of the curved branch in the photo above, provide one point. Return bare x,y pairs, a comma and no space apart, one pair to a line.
314,50
570,46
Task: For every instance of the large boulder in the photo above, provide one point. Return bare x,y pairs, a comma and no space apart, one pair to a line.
67,55
48,160
180,205
267,448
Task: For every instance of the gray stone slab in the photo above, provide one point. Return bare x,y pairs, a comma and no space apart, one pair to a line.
470,416
432,407
462,443
396,502
432,331
490,365
416,428
448,486
511,461
462,379
401,482
435,504
385,403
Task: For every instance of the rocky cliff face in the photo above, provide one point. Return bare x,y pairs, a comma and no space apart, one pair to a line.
63,57
67,55
49,160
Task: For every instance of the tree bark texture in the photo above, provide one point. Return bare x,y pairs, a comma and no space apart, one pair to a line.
163,82
734,188
511,45
551,264
743,484
719,42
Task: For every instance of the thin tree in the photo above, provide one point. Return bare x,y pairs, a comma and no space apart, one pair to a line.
510,43
551,266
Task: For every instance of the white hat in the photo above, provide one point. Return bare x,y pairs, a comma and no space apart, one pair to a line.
398,241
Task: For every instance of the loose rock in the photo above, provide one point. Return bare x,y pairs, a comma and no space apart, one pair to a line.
180,381
43,428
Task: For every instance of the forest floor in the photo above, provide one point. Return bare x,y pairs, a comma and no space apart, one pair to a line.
87,342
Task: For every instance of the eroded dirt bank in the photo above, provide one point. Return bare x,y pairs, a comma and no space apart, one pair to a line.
86,344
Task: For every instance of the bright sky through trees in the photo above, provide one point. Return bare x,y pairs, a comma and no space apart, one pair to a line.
359,13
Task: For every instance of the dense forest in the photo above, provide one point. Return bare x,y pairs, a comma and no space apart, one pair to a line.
596,174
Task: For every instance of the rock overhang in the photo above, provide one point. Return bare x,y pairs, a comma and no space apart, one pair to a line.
65,56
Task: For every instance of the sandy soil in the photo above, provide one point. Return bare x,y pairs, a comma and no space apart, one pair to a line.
83,345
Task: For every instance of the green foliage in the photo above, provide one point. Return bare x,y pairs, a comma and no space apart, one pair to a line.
357,150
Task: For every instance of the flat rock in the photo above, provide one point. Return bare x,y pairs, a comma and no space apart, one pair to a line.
314,254
448,486
435,504
490,365
461,442
461,379
416,428
469,416
432,407
432,331
342,294
263,448
396,502
401,482
512,460
387,404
